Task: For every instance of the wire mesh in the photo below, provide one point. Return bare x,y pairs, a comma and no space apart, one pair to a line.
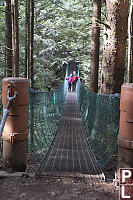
100,115
45,110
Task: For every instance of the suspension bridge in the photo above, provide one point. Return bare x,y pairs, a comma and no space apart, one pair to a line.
76,133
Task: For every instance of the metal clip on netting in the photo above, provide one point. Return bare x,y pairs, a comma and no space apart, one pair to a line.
6,111
100,115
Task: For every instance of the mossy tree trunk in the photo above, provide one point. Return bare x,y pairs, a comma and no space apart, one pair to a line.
115,35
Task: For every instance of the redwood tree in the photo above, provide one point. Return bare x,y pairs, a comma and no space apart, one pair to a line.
95,44
113,64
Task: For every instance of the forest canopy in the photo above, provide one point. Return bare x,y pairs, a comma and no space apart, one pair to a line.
62,32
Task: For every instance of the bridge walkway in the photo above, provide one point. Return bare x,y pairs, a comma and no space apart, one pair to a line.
70,152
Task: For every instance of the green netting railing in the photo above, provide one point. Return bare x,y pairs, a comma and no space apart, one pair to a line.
45,110
100,115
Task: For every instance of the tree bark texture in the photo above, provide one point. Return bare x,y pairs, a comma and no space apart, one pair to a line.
15,37
32,45
95,45
8,17
130,44
27,39
113,63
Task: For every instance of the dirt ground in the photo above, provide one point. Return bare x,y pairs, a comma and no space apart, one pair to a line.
50,188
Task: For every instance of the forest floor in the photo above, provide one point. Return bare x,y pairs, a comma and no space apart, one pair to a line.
51,188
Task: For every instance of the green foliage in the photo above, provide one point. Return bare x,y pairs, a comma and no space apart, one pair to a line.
62,33
1,2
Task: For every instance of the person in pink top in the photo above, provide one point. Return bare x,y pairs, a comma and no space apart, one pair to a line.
75,77
69,78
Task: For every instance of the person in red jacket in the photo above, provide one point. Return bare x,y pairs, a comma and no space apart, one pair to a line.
75,77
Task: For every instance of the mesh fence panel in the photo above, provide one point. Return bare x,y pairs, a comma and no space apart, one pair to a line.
100,115
45,110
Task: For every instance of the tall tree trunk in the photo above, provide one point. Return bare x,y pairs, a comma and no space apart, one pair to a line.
113,64
130,44
32,45
25,71
8,17
95,45
27,39
15,38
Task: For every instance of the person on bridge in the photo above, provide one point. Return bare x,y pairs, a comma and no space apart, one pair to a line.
69,78
75,77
